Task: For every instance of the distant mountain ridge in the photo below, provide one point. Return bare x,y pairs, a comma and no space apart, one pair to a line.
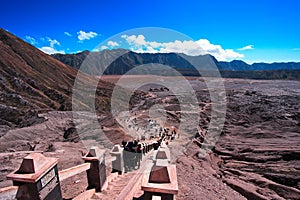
130,59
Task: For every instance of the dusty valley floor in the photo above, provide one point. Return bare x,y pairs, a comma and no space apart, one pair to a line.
257,155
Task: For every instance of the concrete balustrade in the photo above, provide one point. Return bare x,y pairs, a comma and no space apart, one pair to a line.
37,178
96,175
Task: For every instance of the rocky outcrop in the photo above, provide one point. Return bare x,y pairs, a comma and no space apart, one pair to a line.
260,145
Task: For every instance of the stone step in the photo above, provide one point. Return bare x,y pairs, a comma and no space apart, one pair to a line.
112,177
86,195
115,187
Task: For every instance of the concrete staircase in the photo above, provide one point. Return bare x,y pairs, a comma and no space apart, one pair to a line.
126,186
122,187
115,187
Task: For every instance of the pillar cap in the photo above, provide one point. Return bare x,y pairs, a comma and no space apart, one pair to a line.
33,167
94,154
164,188
117,149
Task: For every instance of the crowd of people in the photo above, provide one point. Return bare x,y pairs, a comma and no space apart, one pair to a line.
170,134
134,151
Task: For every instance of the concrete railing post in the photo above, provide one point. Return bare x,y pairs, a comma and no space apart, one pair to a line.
118,163
96,175
162,179
37,178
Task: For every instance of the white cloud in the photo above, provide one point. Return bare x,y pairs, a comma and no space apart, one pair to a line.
86,35
67,34
53,42
104,47
31,40
47,49
248,47
112,44
135,40
50,50
188,47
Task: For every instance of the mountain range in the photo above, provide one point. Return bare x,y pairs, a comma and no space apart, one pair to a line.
120,61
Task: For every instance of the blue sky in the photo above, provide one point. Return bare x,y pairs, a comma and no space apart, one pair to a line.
249,30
